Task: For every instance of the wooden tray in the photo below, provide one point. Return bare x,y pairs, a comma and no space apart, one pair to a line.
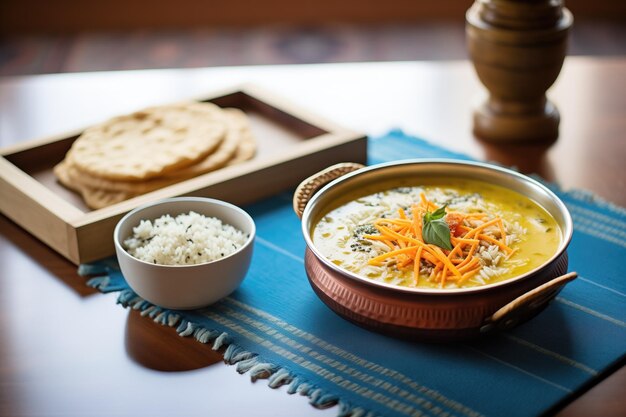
292,145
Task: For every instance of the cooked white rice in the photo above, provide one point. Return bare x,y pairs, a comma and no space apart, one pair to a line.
187,239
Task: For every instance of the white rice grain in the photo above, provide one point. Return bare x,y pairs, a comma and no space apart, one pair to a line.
187,239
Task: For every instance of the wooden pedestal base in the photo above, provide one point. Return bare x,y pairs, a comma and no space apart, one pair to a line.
497,127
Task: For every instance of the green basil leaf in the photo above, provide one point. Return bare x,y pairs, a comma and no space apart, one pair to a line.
437,232
438,214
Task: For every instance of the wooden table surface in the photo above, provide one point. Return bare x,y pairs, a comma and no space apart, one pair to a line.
66,350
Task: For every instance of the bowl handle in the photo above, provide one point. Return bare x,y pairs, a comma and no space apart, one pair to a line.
311,185
527,304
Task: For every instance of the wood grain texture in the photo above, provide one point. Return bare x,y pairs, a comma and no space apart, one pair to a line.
290,139
67,351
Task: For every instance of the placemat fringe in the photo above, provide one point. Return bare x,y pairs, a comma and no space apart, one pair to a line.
245,361
279,378
99,283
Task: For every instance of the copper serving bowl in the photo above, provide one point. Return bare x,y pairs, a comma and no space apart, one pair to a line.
426,313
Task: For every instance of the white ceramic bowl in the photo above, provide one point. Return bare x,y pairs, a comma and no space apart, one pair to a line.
184,287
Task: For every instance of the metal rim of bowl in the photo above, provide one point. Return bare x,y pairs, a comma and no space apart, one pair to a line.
567,229
230,206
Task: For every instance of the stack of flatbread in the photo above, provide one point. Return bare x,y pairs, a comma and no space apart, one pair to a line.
133,154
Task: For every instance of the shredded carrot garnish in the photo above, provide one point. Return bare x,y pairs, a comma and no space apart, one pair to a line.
390,244
375,237
417,222
384,256
470,255
480,228
456,240
403,237
417,263
430,258
502,231
468,275
495,242
471,264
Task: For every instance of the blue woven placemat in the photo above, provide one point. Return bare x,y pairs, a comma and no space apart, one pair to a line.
274,326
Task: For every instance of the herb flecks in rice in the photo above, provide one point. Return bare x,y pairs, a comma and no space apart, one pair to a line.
187,239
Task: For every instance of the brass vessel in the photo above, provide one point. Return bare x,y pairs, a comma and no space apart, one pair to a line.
428,314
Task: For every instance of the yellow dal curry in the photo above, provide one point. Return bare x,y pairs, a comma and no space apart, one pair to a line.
398,235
